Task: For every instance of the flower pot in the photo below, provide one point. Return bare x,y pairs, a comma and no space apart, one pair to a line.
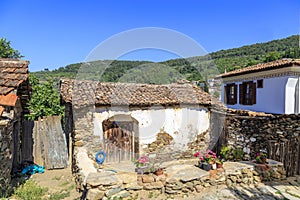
206,166
264,160
159,172
140,170
200,164
219,165
213,166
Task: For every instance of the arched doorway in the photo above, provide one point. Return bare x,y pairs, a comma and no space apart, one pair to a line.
121,138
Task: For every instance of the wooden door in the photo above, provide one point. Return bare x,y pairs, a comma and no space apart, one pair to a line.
119,143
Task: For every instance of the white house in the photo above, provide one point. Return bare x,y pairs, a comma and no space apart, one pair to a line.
271,87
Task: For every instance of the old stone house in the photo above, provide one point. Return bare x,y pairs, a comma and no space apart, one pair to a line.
14,95
127,120
271,87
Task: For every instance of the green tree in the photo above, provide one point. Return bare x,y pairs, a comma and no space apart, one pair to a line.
6,51
271,56
45,99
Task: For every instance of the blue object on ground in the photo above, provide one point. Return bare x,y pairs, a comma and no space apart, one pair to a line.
32,169
100,157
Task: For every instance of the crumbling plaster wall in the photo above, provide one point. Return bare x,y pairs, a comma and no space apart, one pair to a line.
183,124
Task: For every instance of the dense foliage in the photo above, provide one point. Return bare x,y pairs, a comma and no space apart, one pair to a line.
45,99
198,68
6,51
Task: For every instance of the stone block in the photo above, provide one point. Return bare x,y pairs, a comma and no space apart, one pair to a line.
94,194
121,195
257,178
154,186
104,178
113,191
147,178
199,188
79,143
133,187
276,175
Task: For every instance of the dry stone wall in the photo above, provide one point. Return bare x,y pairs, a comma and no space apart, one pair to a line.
6,148
83,137
279,135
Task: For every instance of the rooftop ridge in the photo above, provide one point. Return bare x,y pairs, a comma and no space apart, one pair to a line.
262,67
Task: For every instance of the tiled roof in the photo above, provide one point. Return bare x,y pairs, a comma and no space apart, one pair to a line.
12,73
8,100
81,93
262,67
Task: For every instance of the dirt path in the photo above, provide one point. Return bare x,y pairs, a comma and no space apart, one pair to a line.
58,181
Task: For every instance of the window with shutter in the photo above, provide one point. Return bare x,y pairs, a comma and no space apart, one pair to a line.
241,94
253,94
248,93
230,94
235,94
260,83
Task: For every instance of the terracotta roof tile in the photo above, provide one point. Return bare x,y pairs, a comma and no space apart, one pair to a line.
12,73
1,110
262,67
82,93
8,100
5,90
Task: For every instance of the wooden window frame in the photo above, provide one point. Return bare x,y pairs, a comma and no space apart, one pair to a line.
260,83
247,93
231,94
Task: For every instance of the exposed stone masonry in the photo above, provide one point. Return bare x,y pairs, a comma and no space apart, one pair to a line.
6,131
180,179
279,135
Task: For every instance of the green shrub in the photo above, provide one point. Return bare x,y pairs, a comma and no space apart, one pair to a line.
226,152
30,191
238,154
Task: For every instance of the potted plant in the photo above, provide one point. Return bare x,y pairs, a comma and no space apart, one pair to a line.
207,161
159,171
219,163
200,162
141,164
261,157
213,164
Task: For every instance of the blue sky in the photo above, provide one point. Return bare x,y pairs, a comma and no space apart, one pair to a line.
53,33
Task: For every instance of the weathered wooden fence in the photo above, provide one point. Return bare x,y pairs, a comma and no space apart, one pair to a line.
288,153
45,143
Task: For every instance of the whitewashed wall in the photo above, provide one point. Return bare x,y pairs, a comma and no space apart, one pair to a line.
277,96
183,124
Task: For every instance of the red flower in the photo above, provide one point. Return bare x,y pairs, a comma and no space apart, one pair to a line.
197,154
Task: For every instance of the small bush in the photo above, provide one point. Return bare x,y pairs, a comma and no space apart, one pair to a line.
30,191
238,154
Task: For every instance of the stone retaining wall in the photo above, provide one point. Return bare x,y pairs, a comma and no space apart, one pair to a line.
180,179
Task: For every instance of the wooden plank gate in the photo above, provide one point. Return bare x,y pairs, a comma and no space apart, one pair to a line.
50,147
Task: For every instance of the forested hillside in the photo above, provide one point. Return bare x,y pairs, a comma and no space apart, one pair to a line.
195,68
